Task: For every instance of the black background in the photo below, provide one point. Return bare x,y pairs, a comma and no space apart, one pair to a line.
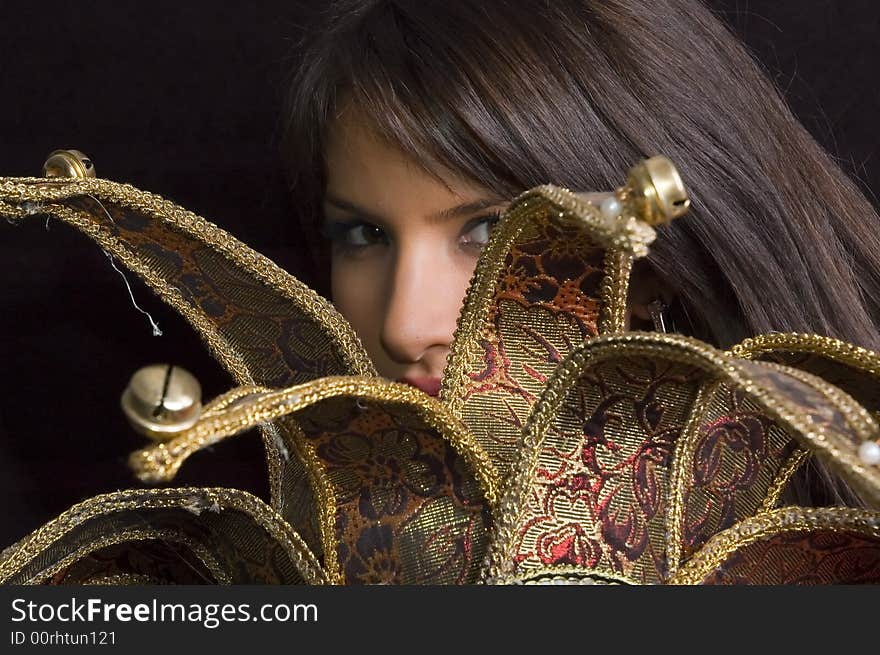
184,100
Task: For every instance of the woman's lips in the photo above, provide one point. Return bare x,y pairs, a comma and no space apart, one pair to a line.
430,386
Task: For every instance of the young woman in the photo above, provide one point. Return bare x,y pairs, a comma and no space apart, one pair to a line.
412,124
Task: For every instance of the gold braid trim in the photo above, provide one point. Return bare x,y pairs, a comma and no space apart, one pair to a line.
684,350
122,580
161,461
613,292
475,309
552,575
221,577
839,351
627,236
231,397
626,233
682,464
783,477
769,524
857,417
325,497
191,498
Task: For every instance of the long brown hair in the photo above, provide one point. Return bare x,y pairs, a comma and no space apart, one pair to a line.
516,93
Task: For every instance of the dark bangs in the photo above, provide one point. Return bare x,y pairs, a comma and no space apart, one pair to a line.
488,95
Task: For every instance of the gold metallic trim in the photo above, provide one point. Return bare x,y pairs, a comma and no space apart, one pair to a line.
563,575
475,309
274,457
834,349
863,424
160,462
762,526
122,580
682,465
205,557
677,348
858,418
614,290
626,233
230,397
325,498
783,477
17,556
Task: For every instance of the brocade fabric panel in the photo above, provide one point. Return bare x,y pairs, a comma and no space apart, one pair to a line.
543,301
408,507
734,457
820,557
600,489
230,536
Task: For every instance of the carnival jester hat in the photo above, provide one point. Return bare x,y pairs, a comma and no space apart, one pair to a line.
562,448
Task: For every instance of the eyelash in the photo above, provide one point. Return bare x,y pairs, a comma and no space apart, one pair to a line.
489,220
340,233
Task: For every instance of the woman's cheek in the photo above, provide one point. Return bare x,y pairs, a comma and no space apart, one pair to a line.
357,292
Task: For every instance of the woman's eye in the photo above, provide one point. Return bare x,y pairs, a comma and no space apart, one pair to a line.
364,235
476,234
354,235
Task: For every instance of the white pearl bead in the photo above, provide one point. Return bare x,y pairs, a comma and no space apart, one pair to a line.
610,208
869,453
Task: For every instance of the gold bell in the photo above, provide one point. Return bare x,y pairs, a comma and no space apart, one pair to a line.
655,191
162,401
68,163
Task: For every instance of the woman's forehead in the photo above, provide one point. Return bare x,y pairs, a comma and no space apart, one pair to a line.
363,167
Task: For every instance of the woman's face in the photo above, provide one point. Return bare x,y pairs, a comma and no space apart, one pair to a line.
404,246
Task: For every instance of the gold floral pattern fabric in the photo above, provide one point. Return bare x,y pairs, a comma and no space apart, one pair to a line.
542,301
598,496
733,458
820,557
409,510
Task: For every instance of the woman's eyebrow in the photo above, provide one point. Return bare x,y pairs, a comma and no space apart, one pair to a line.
345,205
450,213
467,208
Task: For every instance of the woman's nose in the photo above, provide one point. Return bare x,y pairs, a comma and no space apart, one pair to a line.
424,298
